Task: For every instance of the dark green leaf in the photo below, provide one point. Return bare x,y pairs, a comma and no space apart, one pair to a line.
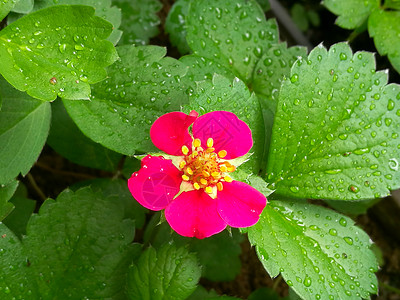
24,126
16,282
384,27
57,51
223,94
352,208
143,85
352,14
175,25
87,246
336,129
23,6
6,192
232,33
299,16
131,165
66,138
102,8
168,273
19,217
201,294
264,5
264,293
319,253
139,20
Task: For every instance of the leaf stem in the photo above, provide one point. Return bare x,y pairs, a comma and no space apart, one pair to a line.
65,173
276,282
37,189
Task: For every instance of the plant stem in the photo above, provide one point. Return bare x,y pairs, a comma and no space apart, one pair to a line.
64,173
37,189
389,287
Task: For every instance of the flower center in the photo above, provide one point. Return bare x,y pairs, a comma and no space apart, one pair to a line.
205,168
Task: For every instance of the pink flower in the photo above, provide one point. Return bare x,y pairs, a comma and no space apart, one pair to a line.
191,181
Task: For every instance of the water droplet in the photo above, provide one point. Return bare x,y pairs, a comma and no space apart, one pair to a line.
294,78
294,189
348,240
333,231
343,222
343,56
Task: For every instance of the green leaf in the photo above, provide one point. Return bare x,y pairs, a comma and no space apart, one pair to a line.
5,7
131,165
6,192
142,86
352,14
168,273
299,16
264,293
24,126
319,253
352,208
23,6
18,218
57,51
102,8
88,246
384,27
201,293
139,20
119,188
232,33
335,133
15,282
394,4
66,138
223,94
255,181
175,25
264,5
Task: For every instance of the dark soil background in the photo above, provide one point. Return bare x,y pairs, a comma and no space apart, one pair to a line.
52,174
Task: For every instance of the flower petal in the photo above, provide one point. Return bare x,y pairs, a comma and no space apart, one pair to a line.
156,183
239,204
195,214
227,130
170,132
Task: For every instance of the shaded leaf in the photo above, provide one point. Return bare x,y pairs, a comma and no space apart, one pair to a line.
18,218
57,51
23,6
319,253
24,126
175,25
6,192
5,7
167,273
335,133
142,86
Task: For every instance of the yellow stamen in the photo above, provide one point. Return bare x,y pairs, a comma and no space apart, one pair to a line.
231,168
182,164
196,186
203,181
189,170
220,186
210,142
205,173
194,154
208,190
196,143
185,150
227,179
223,169
209,150
222,153
215,174
185,177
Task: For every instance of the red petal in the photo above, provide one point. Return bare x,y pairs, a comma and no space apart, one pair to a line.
195,214
170,132
228,132
156,183
239,204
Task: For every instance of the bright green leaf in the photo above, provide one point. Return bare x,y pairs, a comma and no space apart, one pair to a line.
336,129
66,138
24,126
88,246
23,6
142,86
384,27
175,25
139,20
232,33
6,192
223,94
319,253
5,7
255,181
167,273
352,14
57,51
16,282
18,218
102,8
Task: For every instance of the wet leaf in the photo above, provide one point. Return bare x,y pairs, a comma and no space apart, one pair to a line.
88,246
336,129
352,14
167,273
319,253
139,20
5,7
142,86
6,192
24,126
384,27
175,25
57,51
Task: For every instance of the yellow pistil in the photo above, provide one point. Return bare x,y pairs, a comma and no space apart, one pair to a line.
204,168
